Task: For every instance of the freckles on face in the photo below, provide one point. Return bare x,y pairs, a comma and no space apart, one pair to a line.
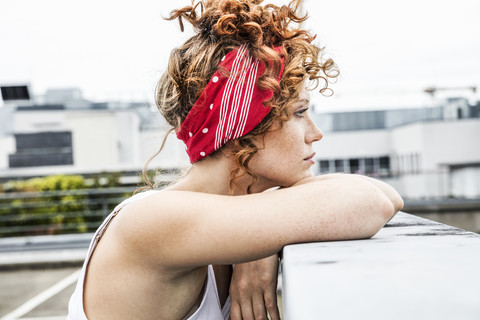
285,156
281,162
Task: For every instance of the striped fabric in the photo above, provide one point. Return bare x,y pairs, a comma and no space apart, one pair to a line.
230,106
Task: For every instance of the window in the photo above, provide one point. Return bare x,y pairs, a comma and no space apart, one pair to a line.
384,163
374,166
354,165
324,166
369,166
339,166
42,149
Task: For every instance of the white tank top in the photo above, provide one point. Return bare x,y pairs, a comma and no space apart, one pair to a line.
209,309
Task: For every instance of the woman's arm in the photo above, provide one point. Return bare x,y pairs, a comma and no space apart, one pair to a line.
253,290
190,229
391,193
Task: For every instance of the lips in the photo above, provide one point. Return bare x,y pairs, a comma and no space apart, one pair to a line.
310,157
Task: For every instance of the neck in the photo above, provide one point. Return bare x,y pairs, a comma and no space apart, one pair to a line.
212,175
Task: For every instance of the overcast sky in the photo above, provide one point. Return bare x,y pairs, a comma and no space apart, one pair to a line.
388,52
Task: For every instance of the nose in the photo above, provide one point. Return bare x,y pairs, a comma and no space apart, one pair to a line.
314,134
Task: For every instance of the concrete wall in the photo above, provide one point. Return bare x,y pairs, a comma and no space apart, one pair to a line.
451,142
7,146
412,269
351,144
35,121
104,140
6,123
128,137
94,136
465,182
407,139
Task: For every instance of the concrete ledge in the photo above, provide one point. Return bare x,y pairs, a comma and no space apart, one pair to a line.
413,268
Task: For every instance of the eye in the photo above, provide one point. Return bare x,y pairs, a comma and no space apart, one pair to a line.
301,112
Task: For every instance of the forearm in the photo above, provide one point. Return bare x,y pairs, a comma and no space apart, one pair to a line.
389,192
354,179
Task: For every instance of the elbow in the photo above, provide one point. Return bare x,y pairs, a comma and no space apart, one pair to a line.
387,211
383,211
397,202
393,203
390,207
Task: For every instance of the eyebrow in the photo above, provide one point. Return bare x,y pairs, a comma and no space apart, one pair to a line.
300,103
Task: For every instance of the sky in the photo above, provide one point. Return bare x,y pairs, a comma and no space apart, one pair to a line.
388,52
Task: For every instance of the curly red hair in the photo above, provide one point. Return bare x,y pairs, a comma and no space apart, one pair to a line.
223,25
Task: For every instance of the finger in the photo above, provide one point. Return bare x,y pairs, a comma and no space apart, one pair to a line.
235,312
274,313
272,305
259,310
247,311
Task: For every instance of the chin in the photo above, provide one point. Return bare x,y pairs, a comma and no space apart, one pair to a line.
308,174
291,182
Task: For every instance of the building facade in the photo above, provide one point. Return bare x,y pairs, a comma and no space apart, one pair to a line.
424,153
67,134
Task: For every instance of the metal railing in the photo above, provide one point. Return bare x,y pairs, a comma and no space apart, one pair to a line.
57,212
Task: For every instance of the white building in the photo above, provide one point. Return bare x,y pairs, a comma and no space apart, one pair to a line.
427,158
67,134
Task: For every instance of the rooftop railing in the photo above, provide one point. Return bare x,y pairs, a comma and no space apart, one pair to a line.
57,212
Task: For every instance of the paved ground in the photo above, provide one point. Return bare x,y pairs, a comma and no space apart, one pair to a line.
38,275
36,294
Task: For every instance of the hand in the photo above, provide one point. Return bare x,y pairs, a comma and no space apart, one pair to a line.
253,290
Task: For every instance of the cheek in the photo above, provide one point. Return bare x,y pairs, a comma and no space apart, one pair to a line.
277,158
289,146
265,164
283,147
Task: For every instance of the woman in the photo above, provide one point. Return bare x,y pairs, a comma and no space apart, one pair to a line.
237,94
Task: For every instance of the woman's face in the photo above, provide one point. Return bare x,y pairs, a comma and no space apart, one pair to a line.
288,153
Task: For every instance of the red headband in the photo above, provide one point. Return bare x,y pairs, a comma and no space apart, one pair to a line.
229,107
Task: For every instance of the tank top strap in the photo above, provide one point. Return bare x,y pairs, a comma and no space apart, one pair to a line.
101,230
